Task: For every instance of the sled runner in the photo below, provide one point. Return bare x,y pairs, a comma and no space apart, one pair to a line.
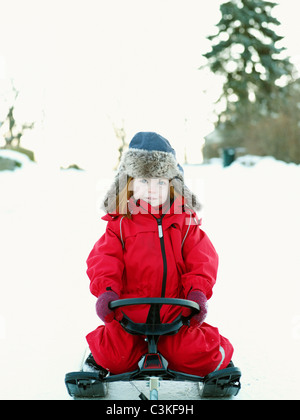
153,367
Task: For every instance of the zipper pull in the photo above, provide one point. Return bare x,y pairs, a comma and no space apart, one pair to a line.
160,229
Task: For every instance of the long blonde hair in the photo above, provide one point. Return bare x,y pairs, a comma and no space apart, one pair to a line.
127,192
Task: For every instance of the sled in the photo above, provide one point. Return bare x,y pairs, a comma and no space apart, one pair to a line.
153,367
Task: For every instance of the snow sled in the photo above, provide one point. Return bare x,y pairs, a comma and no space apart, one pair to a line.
153,367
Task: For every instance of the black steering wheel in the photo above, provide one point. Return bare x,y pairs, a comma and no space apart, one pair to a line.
153,325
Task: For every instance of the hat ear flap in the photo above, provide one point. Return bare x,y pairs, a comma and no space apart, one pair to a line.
109,204
190,199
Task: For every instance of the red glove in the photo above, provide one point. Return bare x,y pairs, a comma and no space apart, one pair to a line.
102,309
201,299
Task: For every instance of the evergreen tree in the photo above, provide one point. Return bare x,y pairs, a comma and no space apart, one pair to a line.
244,51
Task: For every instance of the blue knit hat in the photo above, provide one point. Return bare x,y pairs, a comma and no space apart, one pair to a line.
150,141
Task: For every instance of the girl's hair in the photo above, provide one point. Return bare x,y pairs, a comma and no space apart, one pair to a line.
123,197
127,192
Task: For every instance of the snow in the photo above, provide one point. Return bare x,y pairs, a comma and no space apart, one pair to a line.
49,221
11,154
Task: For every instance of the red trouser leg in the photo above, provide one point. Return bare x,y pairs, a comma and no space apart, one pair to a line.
115,349
196,350
193,350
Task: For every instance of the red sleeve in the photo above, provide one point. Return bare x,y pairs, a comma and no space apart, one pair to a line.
201,261
105,264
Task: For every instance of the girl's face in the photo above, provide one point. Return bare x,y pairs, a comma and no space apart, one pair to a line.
152,190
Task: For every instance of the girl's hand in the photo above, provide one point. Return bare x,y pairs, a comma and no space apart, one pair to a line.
201,299
102,309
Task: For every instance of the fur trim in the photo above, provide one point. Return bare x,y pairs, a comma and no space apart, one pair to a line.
140,163
109,203
190,199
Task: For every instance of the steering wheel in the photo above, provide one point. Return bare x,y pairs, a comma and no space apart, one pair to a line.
153,325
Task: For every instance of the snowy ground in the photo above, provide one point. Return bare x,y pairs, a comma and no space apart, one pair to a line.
48,223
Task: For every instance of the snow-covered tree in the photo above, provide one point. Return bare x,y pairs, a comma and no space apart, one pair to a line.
245,53
260,86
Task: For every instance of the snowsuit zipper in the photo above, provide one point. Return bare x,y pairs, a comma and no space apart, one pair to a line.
163,252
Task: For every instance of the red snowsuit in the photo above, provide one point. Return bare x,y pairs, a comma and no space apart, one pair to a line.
136,258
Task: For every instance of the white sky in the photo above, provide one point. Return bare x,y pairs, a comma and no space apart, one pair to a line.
82,65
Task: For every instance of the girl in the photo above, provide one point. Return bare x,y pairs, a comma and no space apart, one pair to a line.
153,247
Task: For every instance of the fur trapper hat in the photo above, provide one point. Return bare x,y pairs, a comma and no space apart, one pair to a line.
149,156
